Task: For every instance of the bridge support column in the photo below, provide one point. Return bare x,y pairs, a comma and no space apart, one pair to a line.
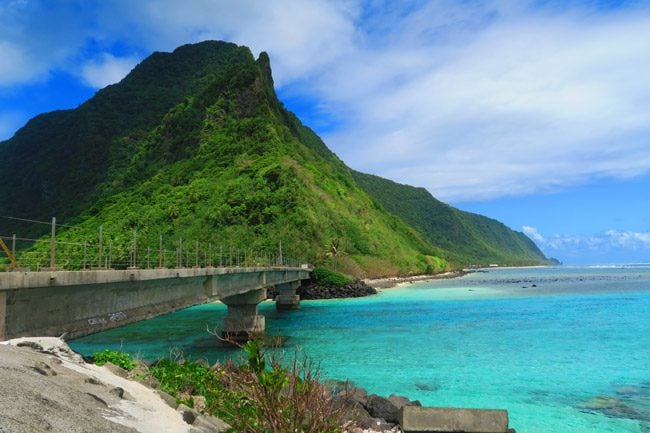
242,322
3,315
287,299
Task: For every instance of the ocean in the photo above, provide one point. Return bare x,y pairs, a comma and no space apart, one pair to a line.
563,349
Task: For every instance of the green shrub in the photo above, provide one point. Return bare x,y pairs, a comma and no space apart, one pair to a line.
185,379
265,395
330,278
120,359
278,396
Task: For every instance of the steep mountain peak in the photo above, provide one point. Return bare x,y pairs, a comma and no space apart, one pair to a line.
194,144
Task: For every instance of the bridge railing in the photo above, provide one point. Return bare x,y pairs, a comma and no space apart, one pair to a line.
41,253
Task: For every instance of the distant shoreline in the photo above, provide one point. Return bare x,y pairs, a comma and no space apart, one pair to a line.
391,282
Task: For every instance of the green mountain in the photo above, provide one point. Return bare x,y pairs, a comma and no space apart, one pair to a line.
195,145
465,237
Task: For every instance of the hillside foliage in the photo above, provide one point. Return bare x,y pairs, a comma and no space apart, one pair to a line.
195,145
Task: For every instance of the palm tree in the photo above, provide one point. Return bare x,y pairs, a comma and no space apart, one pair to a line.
335,252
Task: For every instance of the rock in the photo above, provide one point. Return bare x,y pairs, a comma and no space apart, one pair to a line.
31,345
97,398
353,290
189,414
78,399
380,407
52,345
117,391
168,399
380,425
628,390
613,407
336,387
400,401
116,370
210,424
358,394
93,381
43,368
353,411
144,376
426,386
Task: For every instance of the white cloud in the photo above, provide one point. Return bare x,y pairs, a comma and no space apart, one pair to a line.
628,239
107,70
16,67
303,37
473,100
39,36
533,233
610,240
528,103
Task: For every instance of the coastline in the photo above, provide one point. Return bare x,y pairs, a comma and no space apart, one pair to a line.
392,282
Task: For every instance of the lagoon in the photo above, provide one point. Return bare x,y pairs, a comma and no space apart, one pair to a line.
543,343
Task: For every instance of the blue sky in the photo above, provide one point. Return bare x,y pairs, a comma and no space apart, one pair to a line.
536,113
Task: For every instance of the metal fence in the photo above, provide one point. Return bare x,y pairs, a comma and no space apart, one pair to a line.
49,252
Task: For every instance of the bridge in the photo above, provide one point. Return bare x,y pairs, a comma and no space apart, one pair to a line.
77,303
71,298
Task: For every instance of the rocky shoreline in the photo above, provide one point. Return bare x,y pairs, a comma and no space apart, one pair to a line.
356,289
45,386
360,288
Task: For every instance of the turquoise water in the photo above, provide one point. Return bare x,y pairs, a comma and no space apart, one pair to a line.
540,342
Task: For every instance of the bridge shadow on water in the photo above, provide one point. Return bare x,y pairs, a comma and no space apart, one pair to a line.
184,333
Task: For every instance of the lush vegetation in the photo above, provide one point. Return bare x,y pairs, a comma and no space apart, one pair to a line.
195,147
463,238
262,395
121,359
327,277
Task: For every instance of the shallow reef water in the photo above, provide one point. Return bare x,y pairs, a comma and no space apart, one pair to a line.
563,349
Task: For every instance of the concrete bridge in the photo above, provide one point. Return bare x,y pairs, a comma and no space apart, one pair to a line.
78,303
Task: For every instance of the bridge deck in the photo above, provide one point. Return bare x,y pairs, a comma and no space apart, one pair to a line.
78,303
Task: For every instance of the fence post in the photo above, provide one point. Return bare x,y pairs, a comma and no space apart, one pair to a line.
135,248
280,256
101,229
53,244
210,254
148,254
110,256
160,251
85,245
221,256
180,253
196,258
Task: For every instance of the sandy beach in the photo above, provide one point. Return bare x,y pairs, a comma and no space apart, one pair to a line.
391,282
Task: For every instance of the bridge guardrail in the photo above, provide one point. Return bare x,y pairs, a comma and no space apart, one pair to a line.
51,251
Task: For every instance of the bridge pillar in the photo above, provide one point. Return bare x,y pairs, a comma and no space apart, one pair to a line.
242,321
3,315
287,299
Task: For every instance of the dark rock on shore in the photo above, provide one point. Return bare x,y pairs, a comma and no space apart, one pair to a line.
355,289
368,411
312,290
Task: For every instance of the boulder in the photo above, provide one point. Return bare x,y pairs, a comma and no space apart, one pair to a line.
381,407
189,415
210,424
352,411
